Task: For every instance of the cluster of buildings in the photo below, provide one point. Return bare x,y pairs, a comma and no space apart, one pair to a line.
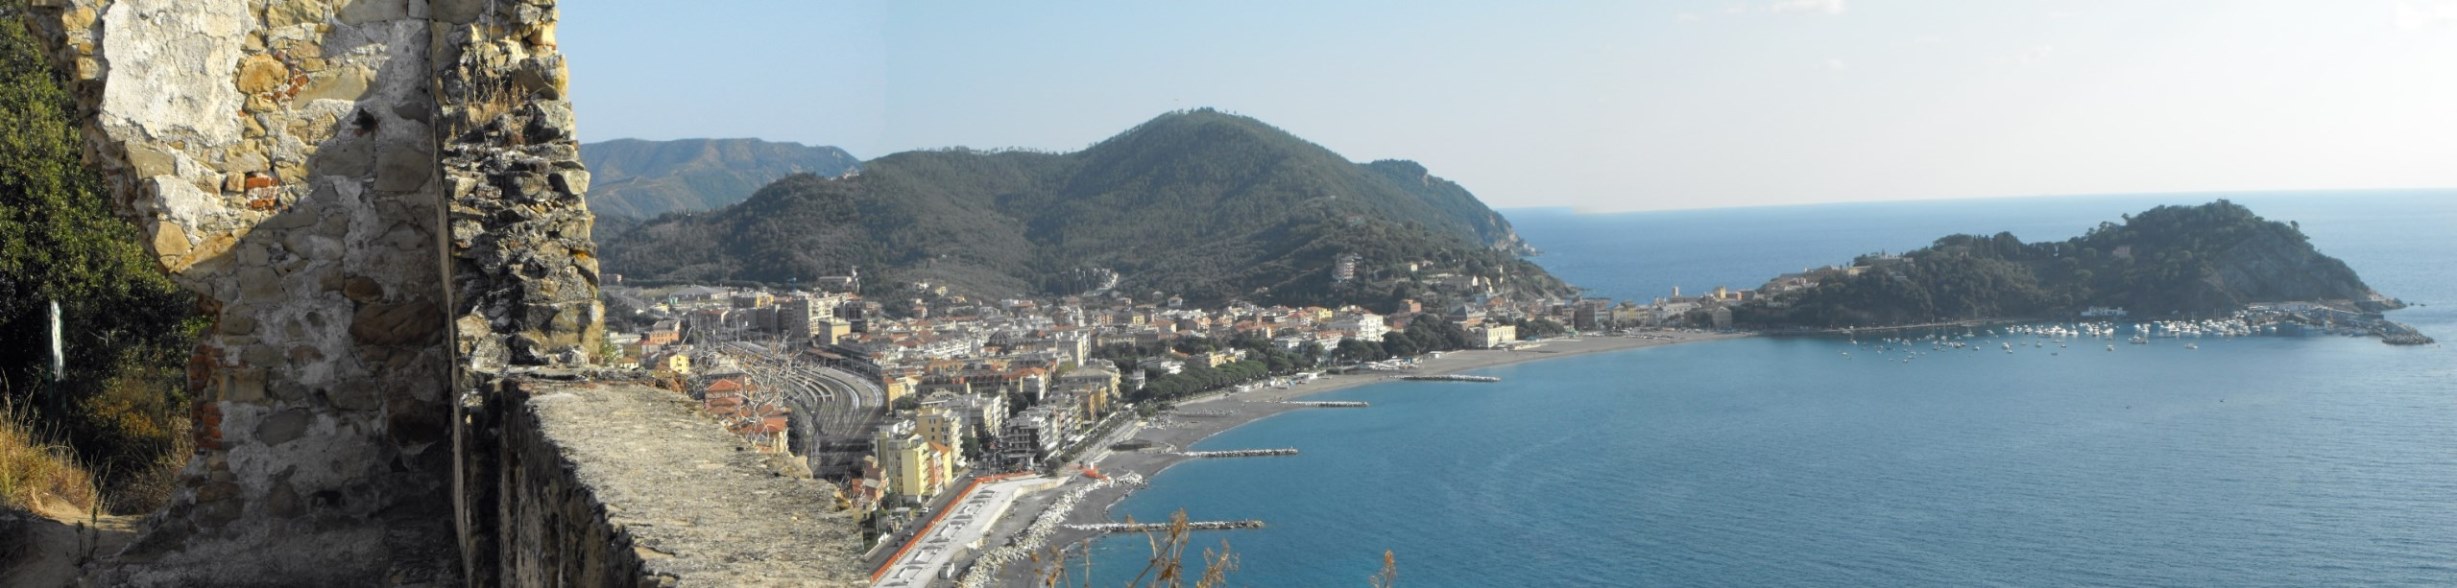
1713,308
1000,385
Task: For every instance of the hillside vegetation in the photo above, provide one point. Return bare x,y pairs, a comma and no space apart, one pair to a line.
2167,262
642,179
1201,204
120,411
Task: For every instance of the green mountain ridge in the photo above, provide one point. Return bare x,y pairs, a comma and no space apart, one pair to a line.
2170,261
642,179
1202,204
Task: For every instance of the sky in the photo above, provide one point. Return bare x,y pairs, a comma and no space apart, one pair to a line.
1601,106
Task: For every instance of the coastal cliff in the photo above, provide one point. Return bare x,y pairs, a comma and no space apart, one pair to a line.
2170,261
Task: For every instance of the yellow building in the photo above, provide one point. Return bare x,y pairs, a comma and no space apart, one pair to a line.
1096,404
1094,386
831,331
671,364
911,468
1495,336
900,386
942,428
1102,377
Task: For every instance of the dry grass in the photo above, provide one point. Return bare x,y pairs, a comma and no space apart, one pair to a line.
141,424
39,476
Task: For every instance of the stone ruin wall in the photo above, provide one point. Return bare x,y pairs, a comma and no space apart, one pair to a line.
380,202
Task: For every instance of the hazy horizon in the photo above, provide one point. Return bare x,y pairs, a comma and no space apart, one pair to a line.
1593,106
2186,196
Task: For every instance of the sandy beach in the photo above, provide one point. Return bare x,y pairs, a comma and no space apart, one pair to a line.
1194,420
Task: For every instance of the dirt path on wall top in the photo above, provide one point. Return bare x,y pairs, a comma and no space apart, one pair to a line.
50,544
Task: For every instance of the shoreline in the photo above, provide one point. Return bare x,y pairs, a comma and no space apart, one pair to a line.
1194,421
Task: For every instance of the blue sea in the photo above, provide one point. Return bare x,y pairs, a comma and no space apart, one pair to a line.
2264,461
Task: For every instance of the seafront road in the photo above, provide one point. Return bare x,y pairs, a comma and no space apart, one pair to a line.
957,533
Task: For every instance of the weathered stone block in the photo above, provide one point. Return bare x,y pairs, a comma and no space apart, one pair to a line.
574,182
403,168
243,385
237,322
355,397
170,240
150,161
260,355
258,284
259,74
283,501
340,83
550,122
415,321
367,11
456,11
283,427
349,159
361,289
285,13
170,67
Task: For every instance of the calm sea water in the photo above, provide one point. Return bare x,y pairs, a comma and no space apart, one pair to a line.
1779,462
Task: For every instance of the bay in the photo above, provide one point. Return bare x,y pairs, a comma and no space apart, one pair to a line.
2263,461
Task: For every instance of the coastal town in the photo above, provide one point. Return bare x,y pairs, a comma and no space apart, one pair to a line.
925,295
938,412
964,433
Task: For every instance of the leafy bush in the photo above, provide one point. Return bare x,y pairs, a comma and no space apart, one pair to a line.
128,328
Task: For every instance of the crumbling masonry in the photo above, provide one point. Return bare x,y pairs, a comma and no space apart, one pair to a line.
381,203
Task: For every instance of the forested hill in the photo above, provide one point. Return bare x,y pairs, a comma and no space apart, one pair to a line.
643,179
2168,262
1200,204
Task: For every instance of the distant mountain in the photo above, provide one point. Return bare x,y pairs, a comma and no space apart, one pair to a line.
2171,261
643,179
1200,204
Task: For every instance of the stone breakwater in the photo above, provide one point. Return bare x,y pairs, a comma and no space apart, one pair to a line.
1451,378
1240,453
1106,528
984,570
